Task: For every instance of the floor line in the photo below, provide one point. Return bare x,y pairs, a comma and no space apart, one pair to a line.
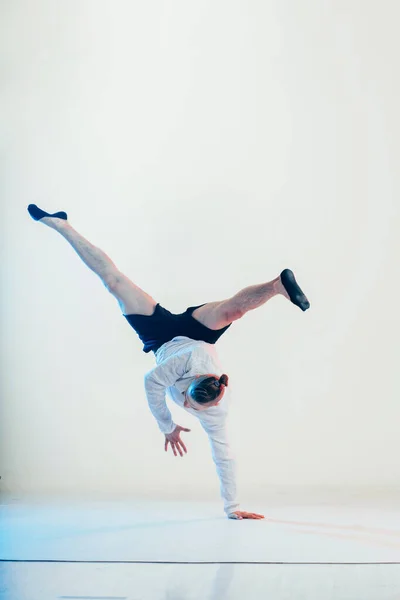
192,562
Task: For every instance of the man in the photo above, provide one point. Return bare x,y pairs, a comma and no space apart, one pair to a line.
187,366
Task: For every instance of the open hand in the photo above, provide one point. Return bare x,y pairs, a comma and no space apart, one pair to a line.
174,439
245,515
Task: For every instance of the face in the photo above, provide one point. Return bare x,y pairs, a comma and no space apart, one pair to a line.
190,403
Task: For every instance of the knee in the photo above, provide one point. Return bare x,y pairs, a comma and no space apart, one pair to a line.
111,282
233,313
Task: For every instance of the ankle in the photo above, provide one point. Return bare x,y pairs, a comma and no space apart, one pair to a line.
54,222
279,287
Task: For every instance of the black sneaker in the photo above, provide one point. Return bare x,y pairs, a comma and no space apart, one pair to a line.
295,293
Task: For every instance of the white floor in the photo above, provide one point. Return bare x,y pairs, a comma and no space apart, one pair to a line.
198,582
198,533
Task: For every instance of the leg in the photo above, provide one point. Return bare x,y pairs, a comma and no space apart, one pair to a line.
131,298
216,315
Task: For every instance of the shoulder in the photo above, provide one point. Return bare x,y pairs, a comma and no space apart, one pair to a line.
171,363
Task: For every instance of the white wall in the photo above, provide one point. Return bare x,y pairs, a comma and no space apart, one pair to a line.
204,146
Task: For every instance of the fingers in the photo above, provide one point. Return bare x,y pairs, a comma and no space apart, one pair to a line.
175,445
252,516
173,448
179,448
183,446
245,515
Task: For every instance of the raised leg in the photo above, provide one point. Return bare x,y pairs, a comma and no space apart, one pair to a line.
131,298
217,315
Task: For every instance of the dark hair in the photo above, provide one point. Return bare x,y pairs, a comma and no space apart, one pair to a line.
207,389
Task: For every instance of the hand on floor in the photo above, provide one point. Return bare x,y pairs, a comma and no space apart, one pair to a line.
244,515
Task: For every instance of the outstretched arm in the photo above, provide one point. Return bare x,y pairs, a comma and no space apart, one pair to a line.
225,463
226,468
